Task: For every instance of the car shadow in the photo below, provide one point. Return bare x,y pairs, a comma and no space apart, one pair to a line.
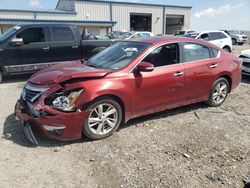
16,78
245,79
12,128
164,114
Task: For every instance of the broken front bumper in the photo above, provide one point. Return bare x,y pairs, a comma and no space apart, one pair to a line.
50,123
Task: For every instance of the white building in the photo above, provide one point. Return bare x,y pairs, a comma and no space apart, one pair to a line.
103,16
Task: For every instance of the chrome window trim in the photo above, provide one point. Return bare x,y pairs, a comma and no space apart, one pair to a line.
178,42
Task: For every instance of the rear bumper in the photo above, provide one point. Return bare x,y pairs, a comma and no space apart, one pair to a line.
61,126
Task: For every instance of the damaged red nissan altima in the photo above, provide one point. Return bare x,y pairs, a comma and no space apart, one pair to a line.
126,80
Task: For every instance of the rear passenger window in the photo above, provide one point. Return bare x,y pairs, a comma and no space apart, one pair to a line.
222,35
62,34
217,36
195,52
215,52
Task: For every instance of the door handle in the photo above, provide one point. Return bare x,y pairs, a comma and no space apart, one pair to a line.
75,46
178,74
46,48
213,66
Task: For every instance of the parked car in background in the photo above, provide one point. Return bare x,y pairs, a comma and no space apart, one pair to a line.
245,57
129,79
218,38
137,34
116,34
183,32
28,48
238,37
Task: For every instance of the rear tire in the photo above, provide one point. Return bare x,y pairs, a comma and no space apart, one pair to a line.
219,92
234,41
104,119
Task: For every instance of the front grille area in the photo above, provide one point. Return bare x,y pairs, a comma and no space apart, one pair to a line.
31,96
246,64
244,37
31,93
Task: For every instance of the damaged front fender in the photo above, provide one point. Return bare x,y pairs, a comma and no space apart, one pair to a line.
61,126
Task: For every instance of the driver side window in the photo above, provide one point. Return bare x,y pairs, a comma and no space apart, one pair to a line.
164,55
32,35
204,37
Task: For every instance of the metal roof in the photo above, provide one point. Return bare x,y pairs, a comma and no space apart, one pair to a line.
50,11
57,21
134,3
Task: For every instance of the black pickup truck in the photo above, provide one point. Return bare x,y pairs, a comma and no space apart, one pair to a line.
28,48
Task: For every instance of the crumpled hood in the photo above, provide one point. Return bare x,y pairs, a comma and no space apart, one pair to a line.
246,53
66,71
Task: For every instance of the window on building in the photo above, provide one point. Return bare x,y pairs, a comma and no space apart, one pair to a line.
32,35
140,22
62,34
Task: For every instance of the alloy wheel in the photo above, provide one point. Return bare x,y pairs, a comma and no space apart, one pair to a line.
220,92
103,119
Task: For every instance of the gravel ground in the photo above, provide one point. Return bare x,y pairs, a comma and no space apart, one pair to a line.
192,146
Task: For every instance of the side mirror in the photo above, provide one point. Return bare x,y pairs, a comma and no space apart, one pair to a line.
16,42
145,67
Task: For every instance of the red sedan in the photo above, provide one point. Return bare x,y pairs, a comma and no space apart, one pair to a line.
127,80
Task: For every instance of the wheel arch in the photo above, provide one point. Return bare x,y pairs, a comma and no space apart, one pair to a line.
114,97
228,47
228,78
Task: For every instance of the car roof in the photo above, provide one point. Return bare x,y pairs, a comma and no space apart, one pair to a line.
163,39
43,24
211,31
140,32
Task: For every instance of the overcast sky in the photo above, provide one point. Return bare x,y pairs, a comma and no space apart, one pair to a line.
206,14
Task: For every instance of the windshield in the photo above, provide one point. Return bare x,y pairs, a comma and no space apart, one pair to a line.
117,56
127,35
8,33
236,32
116,34
180,32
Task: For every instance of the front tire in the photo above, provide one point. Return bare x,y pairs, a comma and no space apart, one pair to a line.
234,41
104,119
219,92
